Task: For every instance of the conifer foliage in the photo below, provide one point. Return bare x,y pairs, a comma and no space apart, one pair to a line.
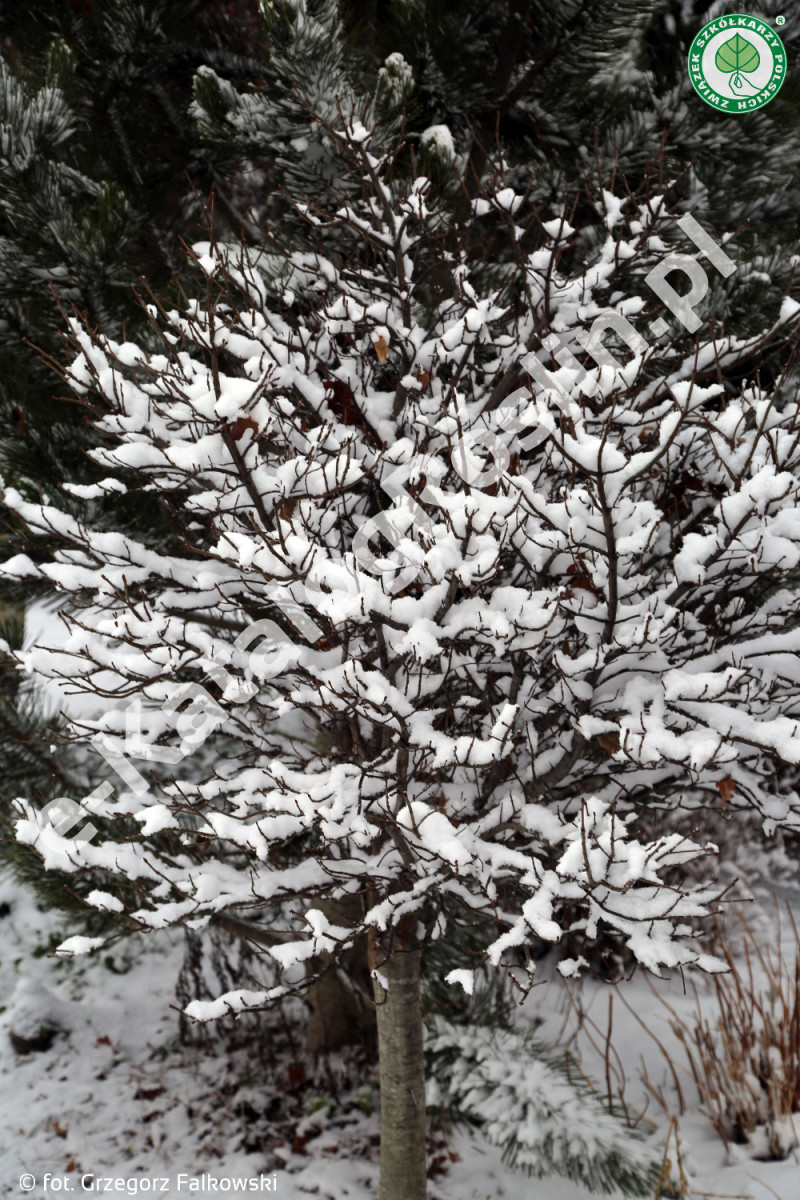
539,1107
98,162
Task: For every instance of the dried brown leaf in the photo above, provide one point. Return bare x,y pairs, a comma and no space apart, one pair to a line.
609,742
726,788
241,425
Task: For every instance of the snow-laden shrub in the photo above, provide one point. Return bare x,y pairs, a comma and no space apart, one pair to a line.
35,1017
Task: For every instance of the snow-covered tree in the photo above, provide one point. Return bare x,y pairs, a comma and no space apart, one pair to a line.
429,626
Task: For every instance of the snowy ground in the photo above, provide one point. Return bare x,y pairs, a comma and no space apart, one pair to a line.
119,1096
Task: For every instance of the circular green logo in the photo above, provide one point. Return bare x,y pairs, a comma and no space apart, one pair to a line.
737,63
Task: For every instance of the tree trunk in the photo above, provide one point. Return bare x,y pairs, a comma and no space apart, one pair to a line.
340,1008
340,1004
402,1072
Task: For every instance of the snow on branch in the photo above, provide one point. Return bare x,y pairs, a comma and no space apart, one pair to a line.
448,596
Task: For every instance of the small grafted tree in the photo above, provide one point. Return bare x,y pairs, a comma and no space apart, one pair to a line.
444,626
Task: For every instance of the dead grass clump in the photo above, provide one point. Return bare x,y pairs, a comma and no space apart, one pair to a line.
746,1059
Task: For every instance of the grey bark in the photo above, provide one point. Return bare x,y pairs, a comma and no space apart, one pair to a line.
402,1072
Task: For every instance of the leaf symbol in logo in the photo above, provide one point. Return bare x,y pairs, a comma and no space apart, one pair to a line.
737,55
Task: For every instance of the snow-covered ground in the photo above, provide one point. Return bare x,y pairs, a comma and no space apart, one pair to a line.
117,1096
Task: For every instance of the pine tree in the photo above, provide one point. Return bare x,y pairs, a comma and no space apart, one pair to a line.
98,162
97,169
560,92
539,1107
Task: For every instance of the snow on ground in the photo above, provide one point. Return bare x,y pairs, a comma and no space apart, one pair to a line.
118,1096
